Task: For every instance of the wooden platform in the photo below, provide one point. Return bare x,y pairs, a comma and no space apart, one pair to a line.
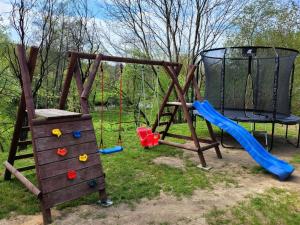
189,105
55,113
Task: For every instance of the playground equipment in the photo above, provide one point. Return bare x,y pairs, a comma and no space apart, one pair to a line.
117,148
252,84
64,144
173,70
147,137
275,166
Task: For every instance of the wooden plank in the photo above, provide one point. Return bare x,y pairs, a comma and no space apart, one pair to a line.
204,140
68,80
83,101
66,128
163,123
72,192
30,186
24,143
61,167
189,105
49,156
91,77
40,120
25,168
25,156
61,181
55,113
166,114
45,143
26,82
177,145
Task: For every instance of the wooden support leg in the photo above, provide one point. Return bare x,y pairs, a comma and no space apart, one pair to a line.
102,195
46,215
213,137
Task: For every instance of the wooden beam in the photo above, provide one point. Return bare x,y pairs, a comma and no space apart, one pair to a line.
26,82
67,83
30,186
83,102
91,78
123,59
178,145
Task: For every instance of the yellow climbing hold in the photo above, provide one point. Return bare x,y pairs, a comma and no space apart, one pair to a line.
56,132
83,157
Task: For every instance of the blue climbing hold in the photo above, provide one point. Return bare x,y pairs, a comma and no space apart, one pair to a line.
77,134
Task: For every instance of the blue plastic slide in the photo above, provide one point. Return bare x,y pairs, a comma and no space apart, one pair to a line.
272,164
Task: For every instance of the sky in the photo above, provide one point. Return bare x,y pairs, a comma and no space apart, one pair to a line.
96,6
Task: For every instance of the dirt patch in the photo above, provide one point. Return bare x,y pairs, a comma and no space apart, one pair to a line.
170,210
170,161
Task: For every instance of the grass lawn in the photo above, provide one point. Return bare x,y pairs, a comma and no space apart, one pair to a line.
274,206
130,175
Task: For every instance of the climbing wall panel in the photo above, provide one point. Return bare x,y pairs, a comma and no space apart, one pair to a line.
68,165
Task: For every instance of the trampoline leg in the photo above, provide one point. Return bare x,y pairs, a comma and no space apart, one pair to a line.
272,136
286,132
298,137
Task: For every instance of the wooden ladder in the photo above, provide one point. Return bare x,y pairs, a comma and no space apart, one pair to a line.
186,107
20,125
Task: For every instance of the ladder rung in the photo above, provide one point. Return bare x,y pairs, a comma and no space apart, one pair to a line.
26,128
163,123
161,132
167,114
24,143
25,156
26,168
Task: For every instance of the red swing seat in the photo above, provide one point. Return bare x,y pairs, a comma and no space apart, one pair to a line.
147,137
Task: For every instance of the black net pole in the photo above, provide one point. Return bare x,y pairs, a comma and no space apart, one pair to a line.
223,82
275,86
291,89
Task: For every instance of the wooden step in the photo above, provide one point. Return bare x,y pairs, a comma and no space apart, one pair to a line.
163,123
189,105
24,156
166,114
55,113
24,143
26,168
26,128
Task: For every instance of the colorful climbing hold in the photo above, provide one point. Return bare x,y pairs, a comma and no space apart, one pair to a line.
83,157
62,151
71,174
76,134
56,132
92,183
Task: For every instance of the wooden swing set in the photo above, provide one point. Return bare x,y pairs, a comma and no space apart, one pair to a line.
64,144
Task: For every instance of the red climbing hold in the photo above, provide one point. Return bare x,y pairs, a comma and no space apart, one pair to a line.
72,174
61,151
147,137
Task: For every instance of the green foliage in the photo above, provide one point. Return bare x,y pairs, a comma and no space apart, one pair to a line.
275,206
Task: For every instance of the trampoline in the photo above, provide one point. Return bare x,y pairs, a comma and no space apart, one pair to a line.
252,84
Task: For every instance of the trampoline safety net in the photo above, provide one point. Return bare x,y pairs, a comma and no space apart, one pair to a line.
257,80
